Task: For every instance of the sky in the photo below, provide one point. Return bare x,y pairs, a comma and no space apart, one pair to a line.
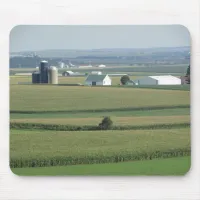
43,37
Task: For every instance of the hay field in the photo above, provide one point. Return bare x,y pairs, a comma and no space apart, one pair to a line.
55,98
116,120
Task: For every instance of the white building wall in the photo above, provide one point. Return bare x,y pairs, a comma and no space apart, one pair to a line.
106,81
90,83
170,82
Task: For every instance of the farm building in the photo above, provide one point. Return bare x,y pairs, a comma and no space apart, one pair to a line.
67,73
101,65
96,72
159,80
94,79
185,80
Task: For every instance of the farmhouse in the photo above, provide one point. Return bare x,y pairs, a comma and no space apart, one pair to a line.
159,80
94,79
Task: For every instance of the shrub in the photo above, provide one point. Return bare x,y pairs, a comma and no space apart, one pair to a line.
106,123
124,79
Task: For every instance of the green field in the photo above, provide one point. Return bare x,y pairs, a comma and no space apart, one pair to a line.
172,166
89,114
30,147
53,152
54,98
116,120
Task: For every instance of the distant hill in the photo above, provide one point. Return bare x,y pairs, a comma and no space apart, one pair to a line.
72,53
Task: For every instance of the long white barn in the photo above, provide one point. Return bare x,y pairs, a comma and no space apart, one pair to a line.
159,80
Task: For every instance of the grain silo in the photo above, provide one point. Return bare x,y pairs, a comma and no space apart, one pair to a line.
44,72
53,75
36,77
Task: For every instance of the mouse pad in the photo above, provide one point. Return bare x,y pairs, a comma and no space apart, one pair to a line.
100,100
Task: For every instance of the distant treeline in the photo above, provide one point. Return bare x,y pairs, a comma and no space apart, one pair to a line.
162,58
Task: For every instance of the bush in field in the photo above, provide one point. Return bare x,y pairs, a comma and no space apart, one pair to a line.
124,79
106,123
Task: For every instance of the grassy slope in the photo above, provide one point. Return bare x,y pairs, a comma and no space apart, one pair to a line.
48,144
41,98
170,166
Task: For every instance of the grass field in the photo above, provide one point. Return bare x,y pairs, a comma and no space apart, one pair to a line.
52,150
53,98
172,166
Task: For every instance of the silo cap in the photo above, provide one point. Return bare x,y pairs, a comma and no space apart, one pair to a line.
53,68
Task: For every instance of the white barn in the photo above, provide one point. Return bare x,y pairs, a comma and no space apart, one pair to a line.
94,79
159,80
67,73
96,72
101,66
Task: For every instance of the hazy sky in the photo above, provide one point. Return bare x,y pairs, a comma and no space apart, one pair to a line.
39,37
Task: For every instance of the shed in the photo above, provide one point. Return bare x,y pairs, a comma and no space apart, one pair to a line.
94,79
159,80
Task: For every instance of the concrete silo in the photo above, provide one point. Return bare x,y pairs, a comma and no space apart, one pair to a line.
53,75
36,77
44,72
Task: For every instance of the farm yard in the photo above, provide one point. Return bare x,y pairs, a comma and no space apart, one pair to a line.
54,129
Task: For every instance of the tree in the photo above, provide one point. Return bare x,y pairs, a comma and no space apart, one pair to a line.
188,75
188,71
106,123
124,79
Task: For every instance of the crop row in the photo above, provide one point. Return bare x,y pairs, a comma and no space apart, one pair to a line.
58,127
103,110
95,159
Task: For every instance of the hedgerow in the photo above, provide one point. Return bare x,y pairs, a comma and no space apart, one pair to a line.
57,127
100,110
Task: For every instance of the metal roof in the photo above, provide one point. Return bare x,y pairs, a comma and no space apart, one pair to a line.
164,77
95,77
